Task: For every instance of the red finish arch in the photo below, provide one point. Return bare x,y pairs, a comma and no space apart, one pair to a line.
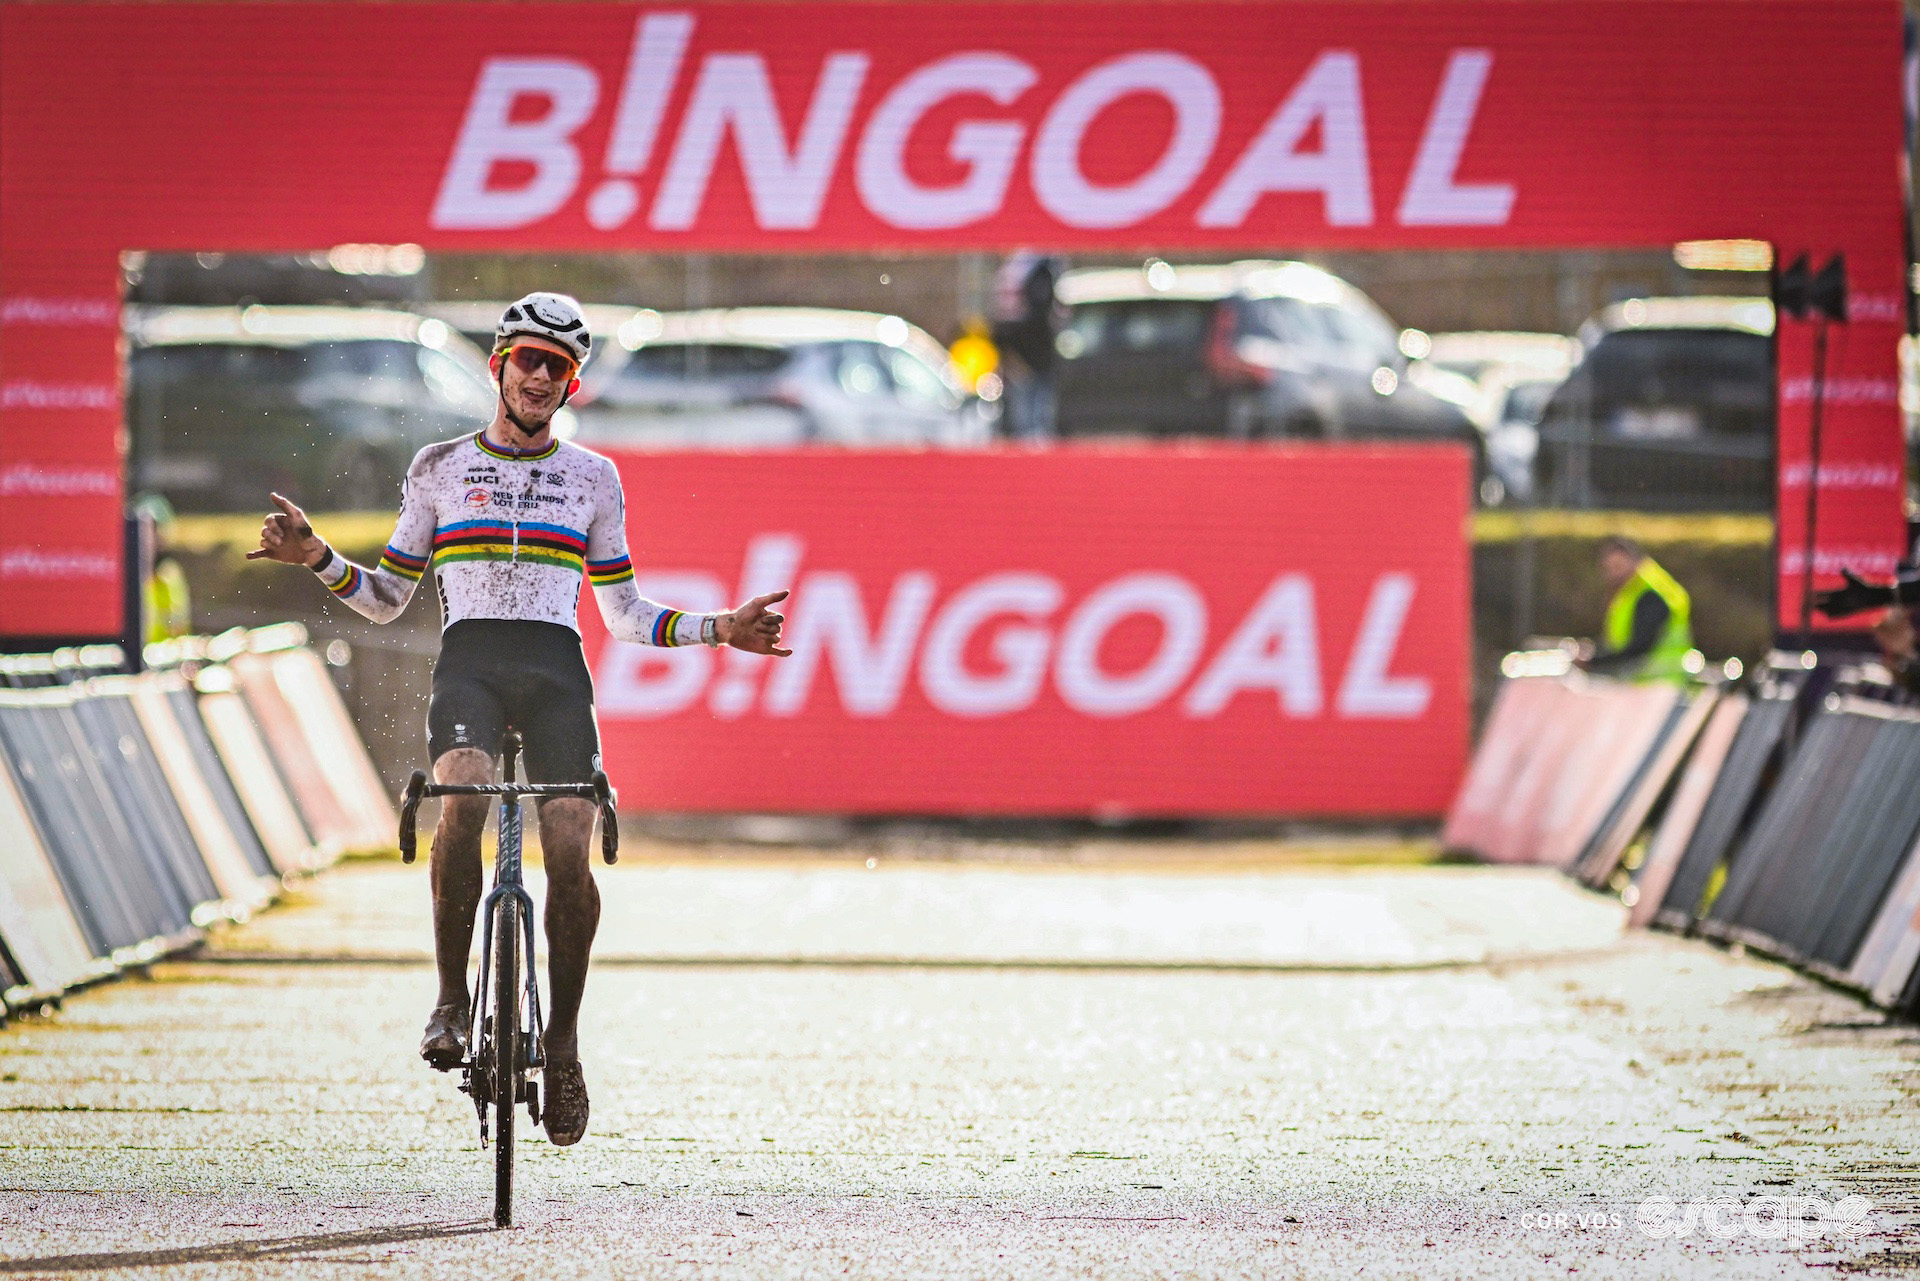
1403,123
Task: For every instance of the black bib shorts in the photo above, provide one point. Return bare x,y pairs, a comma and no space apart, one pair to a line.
494,674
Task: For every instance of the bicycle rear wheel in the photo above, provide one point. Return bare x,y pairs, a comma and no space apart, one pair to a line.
504,1070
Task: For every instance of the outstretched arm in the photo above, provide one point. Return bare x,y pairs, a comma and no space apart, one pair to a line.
1858,595
379,593
632,617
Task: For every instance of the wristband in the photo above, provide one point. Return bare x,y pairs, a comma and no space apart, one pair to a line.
710,631
326,559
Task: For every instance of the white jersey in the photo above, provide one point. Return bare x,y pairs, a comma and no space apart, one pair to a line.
509,536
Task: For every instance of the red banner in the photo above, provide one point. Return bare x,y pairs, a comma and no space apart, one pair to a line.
811,126
1114,632
851,127
1859,516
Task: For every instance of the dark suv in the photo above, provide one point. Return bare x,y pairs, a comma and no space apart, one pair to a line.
1243,350
1670,407
325,404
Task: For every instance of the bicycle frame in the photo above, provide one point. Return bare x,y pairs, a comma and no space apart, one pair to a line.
506,882
524,1053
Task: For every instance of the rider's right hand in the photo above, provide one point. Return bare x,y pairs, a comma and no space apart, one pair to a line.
287,536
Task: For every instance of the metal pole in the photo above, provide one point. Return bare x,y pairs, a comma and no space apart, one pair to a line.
1523,574
137,540
1813,479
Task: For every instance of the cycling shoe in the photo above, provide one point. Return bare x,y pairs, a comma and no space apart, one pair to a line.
563,1103
444,1046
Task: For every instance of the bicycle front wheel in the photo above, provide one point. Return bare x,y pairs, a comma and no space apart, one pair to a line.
504,1070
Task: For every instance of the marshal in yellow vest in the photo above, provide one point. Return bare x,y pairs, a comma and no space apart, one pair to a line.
167,613
1667,661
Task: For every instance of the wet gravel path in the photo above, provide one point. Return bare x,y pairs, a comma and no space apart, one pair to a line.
1207,1105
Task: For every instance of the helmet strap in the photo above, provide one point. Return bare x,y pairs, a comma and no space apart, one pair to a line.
500,388
517,421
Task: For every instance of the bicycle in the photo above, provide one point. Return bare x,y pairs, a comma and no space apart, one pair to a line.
502,1057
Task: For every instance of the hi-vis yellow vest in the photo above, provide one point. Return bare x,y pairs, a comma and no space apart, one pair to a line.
1665,662
168,613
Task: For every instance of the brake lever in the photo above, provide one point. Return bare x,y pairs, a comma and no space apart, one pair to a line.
608,801
609,834
409,804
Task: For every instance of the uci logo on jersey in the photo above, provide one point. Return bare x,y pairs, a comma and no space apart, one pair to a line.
478,498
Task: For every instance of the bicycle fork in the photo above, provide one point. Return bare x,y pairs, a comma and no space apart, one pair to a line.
506,876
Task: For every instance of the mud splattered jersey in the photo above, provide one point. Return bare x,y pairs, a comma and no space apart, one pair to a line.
510,536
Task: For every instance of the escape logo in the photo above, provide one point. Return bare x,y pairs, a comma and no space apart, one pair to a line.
1794,1219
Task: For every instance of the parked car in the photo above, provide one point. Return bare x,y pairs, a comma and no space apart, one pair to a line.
1243,350
477,319
1512,376
1477,353
325,404
1670,407
1515,398
760,377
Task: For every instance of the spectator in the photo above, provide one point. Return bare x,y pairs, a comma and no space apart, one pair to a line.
974,354
1028,319
1856,595
1894,632
1899,649
166,610
1648,632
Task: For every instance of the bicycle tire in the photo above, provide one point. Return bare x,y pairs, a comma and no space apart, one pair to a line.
505,1067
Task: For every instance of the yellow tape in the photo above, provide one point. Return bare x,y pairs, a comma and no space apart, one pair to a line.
1728,529
208,533
1499,525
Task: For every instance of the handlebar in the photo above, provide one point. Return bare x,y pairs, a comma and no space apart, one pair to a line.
585,791
599,791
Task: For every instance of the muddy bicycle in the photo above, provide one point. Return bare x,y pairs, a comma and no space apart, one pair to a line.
504,1049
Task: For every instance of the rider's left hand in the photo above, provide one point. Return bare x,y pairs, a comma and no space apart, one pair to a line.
754,628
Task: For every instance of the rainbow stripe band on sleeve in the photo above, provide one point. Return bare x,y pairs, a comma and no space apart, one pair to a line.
663,626
348,585
398,562
605,573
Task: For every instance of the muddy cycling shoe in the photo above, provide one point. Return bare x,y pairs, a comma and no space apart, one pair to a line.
444,1047
563,1103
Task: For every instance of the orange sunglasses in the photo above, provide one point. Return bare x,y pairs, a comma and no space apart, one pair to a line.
531,359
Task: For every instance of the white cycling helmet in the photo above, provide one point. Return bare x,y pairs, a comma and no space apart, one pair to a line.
554,317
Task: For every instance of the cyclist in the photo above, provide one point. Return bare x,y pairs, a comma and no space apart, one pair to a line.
509,520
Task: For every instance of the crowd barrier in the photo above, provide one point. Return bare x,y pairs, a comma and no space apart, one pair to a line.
138,811
1783,816
1735,790
1687,806
1606,847
1555,755
1831,839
